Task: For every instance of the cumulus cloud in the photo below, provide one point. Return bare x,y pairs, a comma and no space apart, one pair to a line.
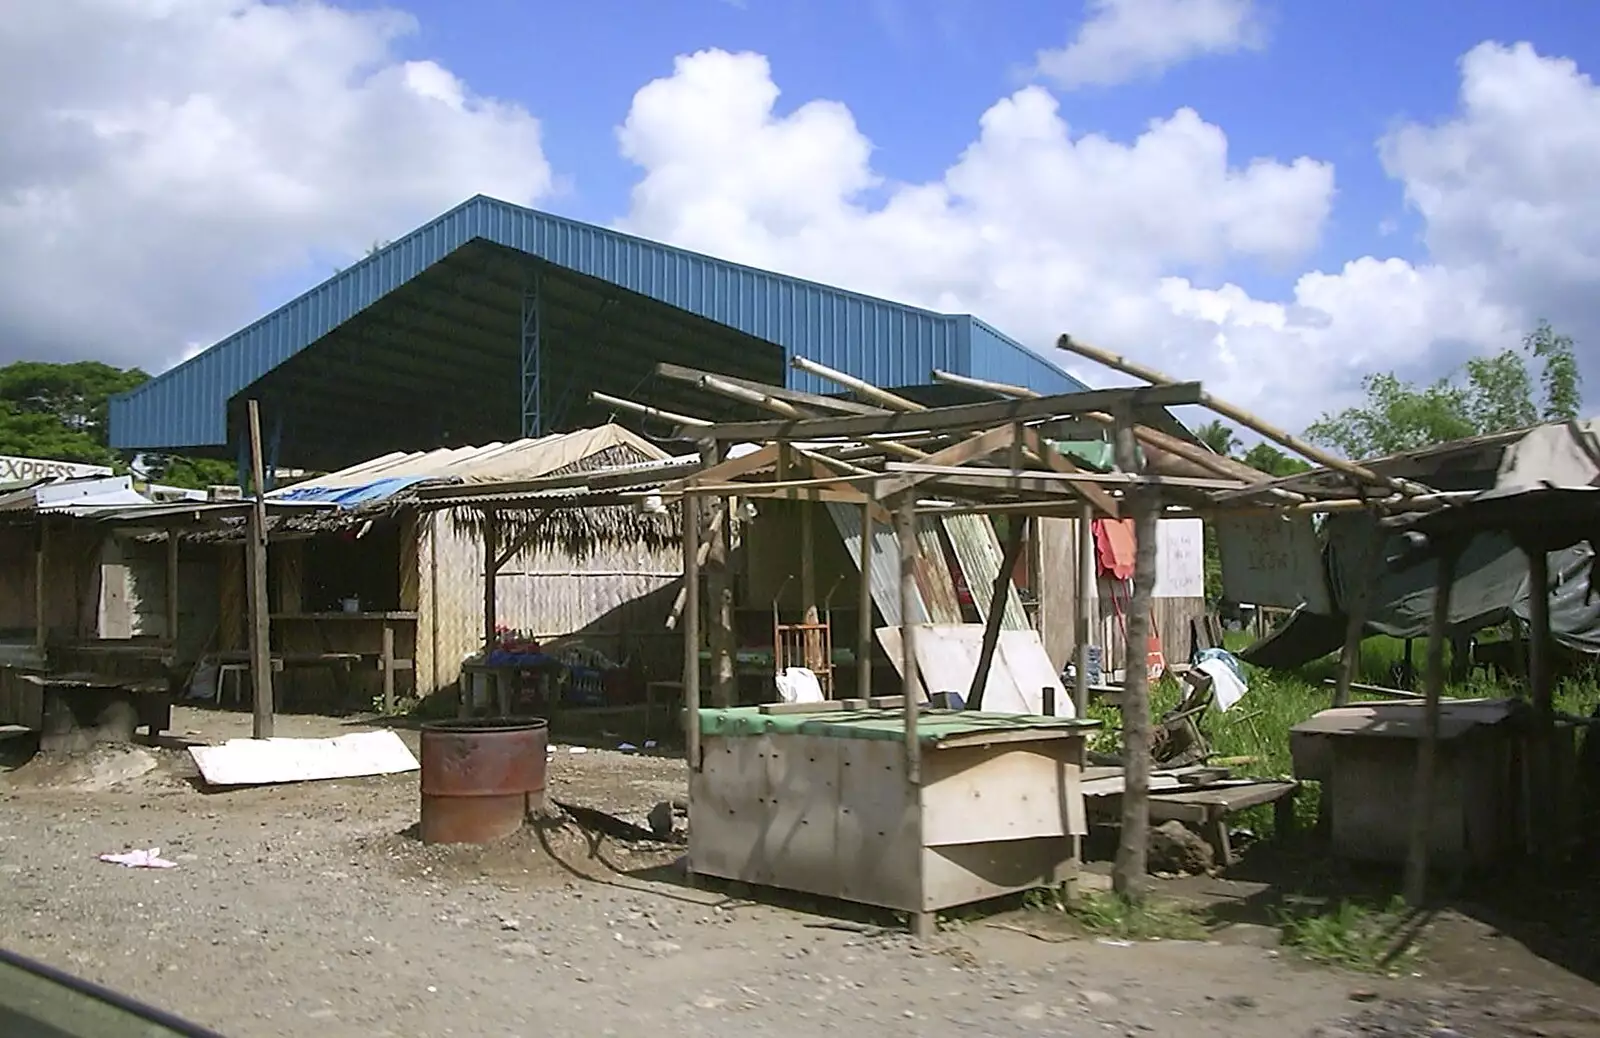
1133,244
1123,40
197,148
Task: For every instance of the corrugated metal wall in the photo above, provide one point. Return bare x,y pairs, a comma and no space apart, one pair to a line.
615,601
884,342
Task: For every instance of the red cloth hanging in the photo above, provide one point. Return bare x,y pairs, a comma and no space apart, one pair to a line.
1114,547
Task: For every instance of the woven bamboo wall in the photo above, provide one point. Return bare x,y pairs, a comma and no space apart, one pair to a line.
615,600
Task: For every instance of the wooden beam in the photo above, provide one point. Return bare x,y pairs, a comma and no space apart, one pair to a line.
1356,621
971,449
997,610
861,387
256,572
964,417
1059,462
733,468
680,373
526,535
1416,874
1002,479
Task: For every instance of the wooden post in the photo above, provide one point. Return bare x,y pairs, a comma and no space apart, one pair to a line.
1128,874
691,630
997,609
864,607
1083,622
41,623
386,660
1356,621
1416,877
808,583
906,533
172,588
720,591
256,574
1542,746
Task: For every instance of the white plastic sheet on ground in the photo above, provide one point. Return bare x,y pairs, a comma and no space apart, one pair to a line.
150,859
799,685
260,762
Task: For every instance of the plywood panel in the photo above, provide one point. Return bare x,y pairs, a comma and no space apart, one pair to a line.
1007,791
964,873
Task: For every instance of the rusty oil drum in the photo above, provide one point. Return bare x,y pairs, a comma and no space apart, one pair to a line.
480,777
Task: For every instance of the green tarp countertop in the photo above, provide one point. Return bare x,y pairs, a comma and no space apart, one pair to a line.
933,726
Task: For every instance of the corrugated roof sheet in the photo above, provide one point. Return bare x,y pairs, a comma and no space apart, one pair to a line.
887,343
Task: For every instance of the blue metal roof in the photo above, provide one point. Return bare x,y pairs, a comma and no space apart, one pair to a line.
887,343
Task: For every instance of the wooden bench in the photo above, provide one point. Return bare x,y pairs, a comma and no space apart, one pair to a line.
1208,809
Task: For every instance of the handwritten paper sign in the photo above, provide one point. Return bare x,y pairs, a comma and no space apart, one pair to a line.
1180,559
1274,561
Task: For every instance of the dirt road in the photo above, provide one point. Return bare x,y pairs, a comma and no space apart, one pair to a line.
307,910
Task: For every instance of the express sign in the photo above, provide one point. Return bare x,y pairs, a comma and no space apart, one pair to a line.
27,470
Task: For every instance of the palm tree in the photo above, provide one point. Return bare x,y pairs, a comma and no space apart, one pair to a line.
1218,437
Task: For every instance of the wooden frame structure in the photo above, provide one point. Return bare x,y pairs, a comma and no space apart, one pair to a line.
897,459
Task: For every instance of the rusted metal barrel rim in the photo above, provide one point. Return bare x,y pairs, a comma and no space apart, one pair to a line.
480,777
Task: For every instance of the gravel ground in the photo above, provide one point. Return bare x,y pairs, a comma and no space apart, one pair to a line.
312,910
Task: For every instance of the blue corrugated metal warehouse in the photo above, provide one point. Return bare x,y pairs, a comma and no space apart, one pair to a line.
495,320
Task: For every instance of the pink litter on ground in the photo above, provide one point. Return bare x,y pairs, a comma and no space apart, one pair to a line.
150,859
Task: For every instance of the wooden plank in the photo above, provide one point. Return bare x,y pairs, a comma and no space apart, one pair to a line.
965,416
1058,462
1006,791
780,709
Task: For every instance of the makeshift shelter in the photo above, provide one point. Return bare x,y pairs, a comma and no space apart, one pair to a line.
1343,569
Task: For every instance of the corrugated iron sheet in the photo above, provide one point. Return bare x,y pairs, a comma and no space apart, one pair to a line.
885,559
886,343
980,555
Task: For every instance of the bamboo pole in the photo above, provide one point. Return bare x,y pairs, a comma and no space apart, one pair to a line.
260,616
865,390
1416,876
646,410
1240,415
172,588
1129,873
41,556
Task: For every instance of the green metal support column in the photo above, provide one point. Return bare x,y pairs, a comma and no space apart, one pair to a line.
532,361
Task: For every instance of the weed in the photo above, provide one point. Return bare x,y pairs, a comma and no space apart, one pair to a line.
1352,934
1112,915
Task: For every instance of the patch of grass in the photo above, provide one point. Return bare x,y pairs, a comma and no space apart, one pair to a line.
1111,915
1258,726
1353,935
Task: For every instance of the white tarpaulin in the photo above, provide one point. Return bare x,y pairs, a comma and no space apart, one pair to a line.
261,762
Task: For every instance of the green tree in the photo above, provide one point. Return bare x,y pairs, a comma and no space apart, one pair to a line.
59,412
1218,437
1488,395
1264,457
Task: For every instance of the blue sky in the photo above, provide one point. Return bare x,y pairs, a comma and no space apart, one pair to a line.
917,74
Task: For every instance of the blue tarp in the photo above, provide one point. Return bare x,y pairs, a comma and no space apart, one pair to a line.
350,497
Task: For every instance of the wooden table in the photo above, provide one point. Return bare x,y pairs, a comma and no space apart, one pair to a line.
388,662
